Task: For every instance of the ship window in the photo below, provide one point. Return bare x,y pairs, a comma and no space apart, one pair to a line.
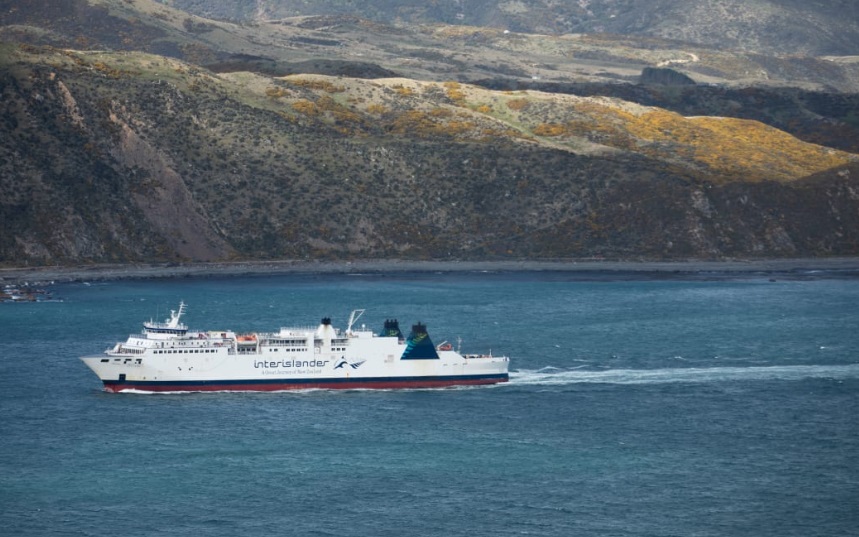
105,360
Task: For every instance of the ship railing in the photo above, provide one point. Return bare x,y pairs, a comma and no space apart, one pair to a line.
299,328
479,356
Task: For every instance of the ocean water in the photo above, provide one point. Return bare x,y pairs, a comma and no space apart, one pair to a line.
671,406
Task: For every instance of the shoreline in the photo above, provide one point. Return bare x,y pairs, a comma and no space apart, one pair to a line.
108,272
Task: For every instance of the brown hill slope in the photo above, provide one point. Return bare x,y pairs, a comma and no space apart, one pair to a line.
129,156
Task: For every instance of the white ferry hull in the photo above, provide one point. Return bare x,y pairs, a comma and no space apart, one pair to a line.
170,359
253,373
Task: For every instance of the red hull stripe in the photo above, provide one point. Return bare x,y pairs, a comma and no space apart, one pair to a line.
271,385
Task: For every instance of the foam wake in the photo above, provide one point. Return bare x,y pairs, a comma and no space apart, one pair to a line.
558,377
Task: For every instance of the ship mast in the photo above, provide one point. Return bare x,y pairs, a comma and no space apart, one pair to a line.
353,318
173,321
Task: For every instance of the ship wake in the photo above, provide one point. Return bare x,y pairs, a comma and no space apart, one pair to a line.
551,376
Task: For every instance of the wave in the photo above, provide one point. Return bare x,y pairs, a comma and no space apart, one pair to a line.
551,376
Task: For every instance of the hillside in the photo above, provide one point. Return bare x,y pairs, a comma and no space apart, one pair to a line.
129,156
134,131
352,46
760,26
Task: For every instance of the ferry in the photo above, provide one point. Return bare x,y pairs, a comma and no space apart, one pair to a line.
168,357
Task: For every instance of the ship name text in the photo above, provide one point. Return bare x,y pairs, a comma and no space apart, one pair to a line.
265,364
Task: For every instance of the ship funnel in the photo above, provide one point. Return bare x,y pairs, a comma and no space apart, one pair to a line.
325,330
392,329
419,346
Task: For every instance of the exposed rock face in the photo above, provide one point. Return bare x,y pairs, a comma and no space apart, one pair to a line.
166,202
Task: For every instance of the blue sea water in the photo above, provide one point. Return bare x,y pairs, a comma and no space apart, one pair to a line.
671,406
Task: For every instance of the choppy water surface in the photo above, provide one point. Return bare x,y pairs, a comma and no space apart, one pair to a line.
636,407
